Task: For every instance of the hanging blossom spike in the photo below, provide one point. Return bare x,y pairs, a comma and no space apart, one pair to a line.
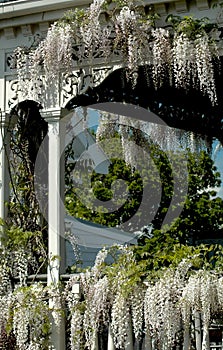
161,56
188,60
205,69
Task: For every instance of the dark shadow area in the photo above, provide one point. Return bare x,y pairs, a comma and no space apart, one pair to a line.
186,110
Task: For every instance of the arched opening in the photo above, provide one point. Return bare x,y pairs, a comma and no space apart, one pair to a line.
191,120
187,110
27,130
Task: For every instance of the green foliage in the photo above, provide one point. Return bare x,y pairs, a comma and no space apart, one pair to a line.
21,253
156,257
187,25
202,209
101,185
15,237
190,26
202,214
32,303
163,251
118,4
160,256
152,176
73,17
23,247
125,272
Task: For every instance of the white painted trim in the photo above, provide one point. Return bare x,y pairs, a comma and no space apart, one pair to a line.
15,8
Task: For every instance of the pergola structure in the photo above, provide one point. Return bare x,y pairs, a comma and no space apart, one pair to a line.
21,22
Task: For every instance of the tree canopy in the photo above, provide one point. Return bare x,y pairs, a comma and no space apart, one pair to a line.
146,196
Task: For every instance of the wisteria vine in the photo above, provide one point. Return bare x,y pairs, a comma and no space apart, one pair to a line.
160,309
182,55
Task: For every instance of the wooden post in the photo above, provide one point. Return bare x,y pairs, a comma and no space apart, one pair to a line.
130,336
147,343
95,345
186,343
110,339
4,172
55,211
197,326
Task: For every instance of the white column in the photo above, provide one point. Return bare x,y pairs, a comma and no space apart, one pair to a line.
198,330
3,106
95,345
4,172
110,339
55,209
186,343
147,342
129,345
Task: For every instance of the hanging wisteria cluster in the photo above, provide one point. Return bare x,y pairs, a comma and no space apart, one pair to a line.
162,313
27,318
175,307
109,33
132,148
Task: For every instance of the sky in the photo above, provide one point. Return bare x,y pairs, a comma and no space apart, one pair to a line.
218,158
93,118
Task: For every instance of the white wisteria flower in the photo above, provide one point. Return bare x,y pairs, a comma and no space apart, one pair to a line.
126,34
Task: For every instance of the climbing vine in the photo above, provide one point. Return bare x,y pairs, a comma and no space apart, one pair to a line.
160,288
25,136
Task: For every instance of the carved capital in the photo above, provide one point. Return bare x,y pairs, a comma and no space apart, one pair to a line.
26,30
9,33
202,4
181,6
53,115
160,8
43,27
